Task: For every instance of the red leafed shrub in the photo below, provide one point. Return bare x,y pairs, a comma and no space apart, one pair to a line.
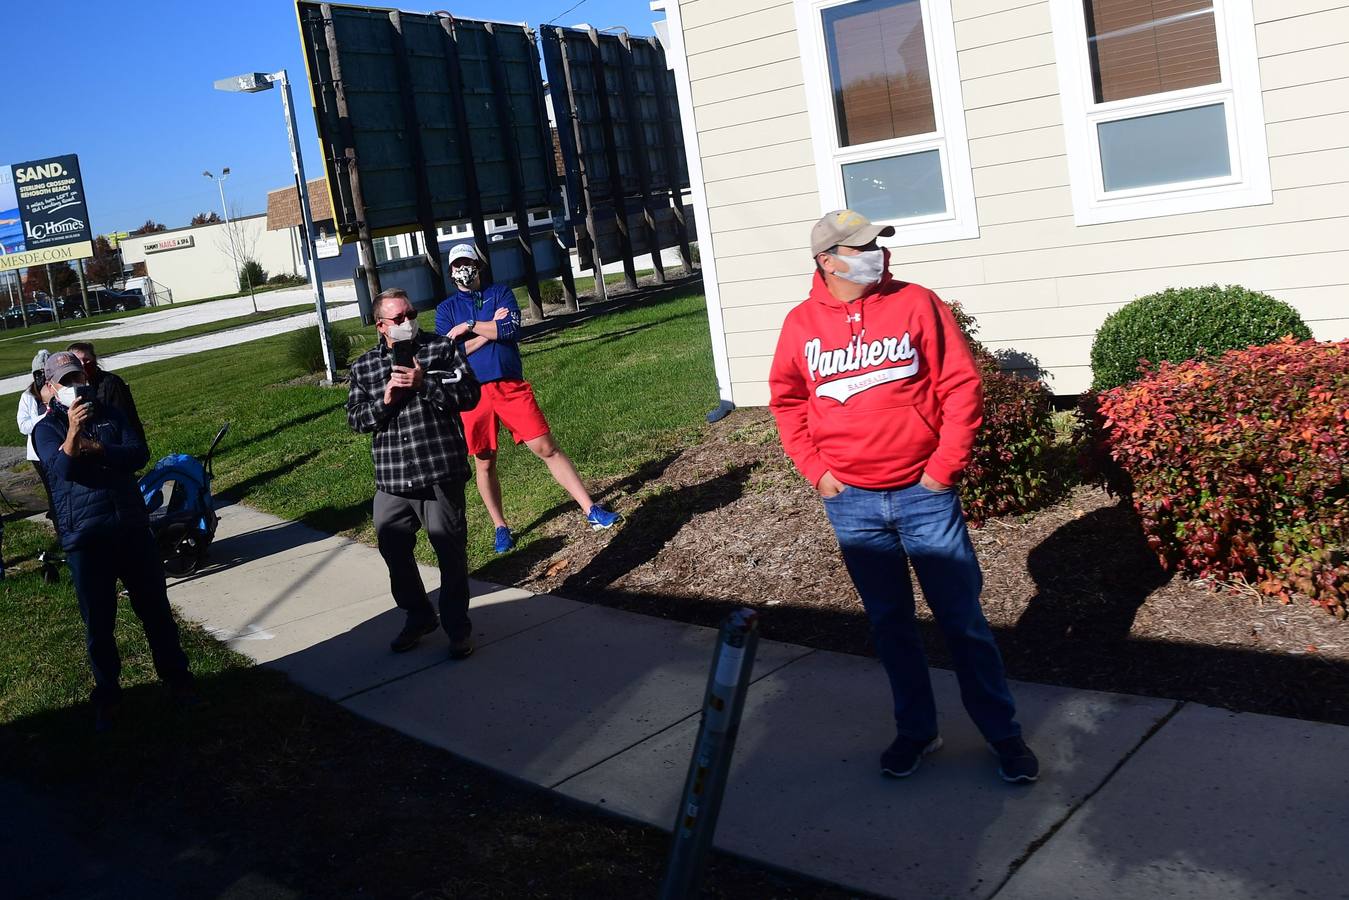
1012,469
1237,467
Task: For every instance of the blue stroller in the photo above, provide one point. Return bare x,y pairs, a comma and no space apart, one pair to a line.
177,493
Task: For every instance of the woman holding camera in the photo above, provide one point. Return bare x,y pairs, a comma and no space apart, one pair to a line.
92,454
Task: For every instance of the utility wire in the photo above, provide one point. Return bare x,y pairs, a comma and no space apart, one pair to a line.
564,12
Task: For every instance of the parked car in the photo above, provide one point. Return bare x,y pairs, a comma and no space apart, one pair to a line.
101,300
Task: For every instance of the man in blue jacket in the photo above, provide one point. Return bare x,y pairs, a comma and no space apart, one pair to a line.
92,454
486,321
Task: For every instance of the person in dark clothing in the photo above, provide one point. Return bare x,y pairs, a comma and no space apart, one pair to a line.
109,388
421,464
91,454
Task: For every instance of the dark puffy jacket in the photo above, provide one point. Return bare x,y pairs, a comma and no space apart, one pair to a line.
95,496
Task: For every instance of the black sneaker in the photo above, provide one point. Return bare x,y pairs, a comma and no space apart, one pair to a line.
462,648
1016,763
902,757
412,633
105,716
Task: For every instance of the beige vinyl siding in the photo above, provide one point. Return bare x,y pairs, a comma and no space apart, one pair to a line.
1039,284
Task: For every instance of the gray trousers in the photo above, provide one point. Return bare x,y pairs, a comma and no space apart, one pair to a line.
440,510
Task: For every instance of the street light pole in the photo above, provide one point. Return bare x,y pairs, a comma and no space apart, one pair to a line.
259,81
297,160
229,233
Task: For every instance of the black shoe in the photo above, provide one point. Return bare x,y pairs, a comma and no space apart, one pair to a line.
462,648
105,716
413,632
1016,763
183,692
902,757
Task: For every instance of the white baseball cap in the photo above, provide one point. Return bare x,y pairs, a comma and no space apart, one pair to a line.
464,251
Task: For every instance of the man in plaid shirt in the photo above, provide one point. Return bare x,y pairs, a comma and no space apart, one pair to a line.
421,464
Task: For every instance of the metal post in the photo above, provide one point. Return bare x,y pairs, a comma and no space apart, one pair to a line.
696,819
51,295
315,282
234,247
84,290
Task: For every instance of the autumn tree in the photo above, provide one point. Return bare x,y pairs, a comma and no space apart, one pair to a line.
106,265
151,227
206,218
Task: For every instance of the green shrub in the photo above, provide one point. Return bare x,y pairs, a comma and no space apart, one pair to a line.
286,278
1237,466
1014,468
306,351
1187,323
251,273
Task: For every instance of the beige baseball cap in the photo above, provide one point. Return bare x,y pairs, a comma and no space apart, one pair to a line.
847,228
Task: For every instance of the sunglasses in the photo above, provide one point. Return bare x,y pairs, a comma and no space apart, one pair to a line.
400,318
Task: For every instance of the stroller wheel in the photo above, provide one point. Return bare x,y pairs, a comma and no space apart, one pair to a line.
182,548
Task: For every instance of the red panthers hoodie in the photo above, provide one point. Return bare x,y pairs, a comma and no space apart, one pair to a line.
877,391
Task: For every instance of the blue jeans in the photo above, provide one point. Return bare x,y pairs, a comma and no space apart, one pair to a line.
880,532
131,555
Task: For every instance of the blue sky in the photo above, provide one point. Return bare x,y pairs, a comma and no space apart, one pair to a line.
127,87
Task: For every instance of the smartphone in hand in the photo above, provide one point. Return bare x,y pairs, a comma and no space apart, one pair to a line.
404,354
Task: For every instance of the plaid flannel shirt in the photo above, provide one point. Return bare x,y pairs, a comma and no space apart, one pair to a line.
419,438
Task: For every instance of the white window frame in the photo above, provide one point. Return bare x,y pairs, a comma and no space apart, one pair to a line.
960,221
1238,92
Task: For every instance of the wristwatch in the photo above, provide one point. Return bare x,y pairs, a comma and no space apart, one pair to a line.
469,323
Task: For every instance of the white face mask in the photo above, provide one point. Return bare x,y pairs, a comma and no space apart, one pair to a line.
66,396
464,275
864,268
404,331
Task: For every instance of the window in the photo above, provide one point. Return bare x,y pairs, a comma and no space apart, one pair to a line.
1161,107
883,92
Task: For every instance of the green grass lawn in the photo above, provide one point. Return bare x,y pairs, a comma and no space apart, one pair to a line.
618,390
17,349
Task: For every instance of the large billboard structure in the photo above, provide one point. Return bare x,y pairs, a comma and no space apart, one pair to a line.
43,215
620,136
426,119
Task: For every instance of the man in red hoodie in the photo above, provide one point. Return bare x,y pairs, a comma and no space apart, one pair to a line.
877,399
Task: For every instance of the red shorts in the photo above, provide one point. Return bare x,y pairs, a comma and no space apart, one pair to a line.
510,402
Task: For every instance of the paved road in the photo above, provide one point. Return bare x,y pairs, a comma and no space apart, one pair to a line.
1141,797
170,318
173,349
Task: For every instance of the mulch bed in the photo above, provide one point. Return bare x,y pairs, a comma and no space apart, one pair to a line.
1073,592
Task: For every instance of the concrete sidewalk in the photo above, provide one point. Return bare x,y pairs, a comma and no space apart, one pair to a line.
1140,798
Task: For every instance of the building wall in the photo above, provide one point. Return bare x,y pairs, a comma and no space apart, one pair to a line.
1038,283
206,269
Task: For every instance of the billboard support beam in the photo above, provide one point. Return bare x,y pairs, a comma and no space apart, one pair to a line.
638,141
349,154
620,208
412,129
501,103
672,168
84,289
454,76
583,168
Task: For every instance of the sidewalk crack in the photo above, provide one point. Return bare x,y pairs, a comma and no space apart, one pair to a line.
1054,829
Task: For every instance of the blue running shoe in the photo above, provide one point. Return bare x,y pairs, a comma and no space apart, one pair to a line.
505,541
600,518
